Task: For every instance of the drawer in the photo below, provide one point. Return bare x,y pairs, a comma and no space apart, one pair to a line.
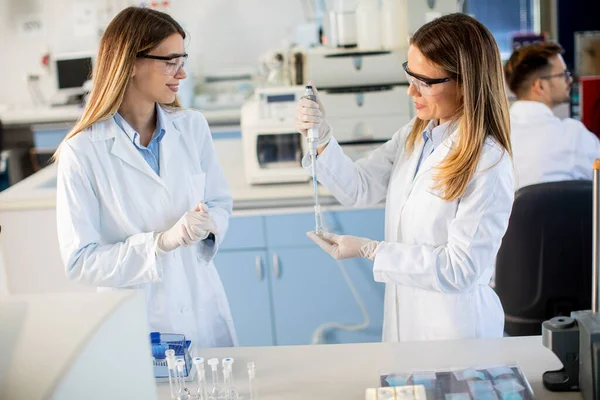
372,128
392,100
343,68
245,233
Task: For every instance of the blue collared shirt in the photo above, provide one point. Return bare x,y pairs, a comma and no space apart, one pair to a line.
433,136
151,153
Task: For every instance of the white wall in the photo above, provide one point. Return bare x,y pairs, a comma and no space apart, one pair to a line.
224,34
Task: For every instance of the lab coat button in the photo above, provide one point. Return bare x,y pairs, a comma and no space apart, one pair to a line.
184,310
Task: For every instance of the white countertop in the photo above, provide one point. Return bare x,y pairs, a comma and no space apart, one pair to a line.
39,190
344,371
20,116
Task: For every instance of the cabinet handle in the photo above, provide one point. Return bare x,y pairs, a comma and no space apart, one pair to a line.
276,268
258,264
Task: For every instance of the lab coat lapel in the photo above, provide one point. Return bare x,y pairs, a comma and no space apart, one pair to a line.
170,146
437,156
124,149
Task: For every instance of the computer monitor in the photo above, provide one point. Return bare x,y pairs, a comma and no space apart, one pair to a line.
72,71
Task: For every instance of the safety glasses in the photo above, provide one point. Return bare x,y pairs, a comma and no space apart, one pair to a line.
425,86
172,64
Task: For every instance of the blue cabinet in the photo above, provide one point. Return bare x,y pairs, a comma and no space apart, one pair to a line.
312,298
247,286
282,288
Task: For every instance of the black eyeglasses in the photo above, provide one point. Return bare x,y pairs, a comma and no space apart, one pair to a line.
424,85
173,63
565,74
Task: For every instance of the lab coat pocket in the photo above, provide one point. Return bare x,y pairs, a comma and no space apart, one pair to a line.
197,184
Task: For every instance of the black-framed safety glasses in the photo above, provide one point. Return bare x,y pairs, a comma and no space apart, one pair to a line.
172,63
425,86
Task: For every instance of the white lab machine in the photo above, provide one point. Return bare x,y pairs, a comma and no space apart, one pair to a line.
365,100
75,346
72,71
328,67
272,148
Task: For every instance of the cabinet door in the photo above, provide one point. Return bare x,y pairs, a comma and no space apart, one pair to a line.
246,283
309,290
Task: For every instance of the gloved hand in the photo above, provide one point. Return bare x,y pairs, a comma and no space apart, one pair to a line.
192,227
345,246
310,114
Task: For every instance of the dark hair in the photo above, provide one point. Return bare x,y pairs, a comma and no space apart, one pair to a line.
527,62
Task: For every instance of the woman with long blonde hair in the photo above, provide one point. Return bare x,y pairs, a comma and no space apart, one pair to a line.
447,179
142,202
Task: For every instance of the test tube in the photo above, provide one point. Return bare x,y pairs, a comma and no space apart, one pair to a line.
216,392
251,379
199,364
226,379
229,388
183,393
170,356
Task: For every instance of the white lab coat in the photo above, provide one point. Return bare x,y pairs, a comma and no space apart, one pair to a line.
438,256
109,203
548,149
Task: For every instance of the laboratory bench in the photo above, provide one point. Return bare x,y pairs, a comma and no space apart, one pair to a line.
293,286
344,371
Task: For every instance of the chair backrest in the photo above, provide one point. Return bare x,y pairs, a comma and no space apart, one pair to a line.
544,265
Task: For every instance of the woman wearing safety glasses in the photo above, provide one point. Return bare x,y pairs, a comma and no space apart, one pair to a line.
142,202
447,181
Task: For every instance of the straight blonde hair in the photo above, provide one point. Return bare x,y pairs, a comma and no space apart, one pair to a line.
468,52
133,31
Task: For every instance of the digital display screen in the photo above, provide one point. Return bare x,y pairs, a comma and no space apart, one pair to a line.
281,98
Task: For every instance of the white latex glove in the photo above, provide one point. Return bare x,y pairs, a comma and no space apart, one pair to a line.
191,228
310,114
345,246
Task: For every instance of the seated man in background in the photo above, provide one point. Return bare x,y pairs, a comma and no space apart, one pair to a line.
545,148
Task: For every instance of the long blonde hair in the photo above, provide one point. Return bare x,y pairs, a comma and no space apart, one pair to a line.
133,31
467,51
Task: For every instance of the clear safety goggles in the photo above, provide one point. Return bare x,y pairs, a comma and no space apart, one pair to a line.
425,86
172,64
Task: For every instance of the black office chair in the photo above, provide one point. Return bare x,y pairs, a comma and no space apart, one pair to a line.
544,266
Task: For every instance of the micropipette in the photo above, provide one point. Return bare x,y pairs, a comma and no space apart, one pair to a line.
313,143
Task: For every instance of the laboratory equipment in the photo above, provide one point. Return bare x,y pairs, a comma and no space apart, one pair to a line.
313,144
216,392
230,390
394,24
368,25
363,118
343,68
252,381
201,393
182,391
161,343
272,148
104,355
72,71
172,369
576,339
